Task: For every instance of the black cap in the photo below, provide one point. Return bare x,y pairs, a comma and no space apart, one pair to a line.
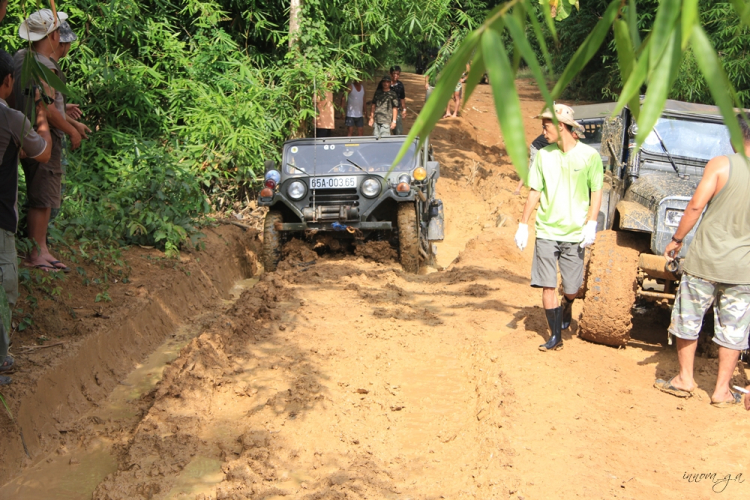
386,78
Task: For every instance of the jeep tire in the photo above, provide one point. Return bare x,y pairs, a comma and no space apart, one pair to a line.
408,237
271,240
610,289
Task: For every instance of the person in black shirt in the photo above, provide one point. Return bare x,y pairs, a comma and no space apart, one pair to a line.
398,87
16,134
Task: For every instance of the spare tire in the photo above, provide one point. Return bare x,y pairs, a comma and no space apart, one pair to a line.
611,284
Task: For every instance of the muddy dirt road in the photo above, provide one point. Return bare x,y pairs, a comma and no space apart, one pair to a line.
347,378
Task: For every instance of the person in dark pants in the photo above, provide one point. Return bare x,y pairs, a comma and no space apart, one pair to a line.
16,136
384,109
398,87
567,178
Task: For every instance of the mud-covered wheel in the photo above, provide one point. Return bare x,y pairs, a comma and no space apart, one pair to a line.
408,237
271,240
610,289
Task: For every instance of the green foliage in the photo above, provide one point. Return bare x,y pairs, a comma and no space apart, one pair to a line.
655,62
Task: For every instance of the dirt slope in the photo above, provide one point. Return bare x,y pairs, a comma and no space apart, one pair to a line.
347,378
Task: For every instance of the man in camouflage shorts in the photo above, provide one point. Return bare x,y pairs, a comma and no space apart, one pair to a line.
716,272
384,109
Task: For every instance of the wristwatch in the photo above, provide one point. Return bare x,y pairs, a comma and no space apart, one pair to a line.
676,240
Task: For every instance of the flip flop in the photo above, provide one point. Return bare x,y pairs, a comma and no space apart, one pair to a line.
64,268
735,401
7,364
666,386
43,267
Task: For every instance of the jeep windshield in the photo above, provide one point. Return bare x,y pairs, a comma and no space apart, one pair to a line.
317,159
689,139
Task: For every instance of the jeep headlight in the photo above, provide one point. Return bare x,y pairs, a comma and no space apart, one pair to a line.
296,190
370,188
672,217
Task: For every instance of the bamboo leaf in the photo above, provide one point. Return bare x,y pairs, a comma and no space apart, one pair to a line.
475,74
522,43
507,103
632,17
718,83
540,38
666,17
659,84
549,20
588,48
626,59
519,15
435,105
632,88
689,19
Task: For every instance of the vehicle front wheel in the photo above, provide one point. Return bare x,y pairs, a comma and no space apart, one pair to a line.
408,237
271,240
610,289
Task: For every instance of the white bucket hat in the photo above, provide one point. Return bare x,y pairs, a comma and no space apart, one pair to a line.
564,115
40,24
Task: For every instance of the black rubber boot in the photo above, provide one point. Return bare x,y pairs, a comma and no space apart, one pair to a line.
567,312
554,318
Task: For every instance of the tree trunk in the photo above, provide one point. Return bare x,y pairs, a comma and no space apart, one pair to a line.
295,10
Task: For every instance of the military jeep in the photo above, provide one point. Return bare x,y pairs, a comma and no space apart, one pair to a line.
644,196
345,187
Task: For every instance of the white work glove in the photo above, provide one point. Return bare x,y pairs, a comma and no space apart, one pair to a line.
522,236
588,236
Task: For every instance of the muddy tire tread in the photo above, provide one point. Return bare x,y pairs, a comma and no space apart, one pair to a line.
271,240
610,289
408,237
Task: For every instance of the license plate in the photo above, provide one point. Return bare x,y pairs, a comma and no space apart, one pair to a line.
333,182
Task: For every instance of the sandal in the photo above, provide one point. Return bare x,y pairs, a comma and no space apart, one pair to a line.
666,386
7,364
64,268
735,401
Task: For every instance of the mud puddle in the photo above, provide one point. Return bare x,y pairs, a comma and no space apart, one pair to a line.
74,474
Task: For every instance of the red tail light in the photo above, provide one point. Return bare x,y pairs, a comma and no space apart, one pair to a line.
266,192
270,183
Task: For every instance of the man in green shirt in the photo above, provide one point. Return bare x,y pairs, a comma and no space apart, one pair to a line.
566,180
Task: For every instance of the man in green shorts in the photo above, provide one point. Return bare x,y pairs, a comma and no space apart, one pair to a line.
566,180
716,272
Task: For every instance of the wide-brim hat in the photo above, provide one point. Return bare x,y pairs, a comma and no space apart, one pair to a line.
66,33
40,24
564,115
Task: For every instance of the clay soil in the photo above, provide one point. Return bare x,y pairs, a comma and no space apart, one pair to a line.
340,376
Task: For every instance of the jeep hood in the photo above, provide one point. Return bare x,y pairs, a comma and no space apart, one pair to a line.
649,189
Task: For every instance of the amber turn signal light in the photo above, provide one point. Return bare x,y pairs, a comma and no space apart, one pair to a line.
419,174
403,187
266,192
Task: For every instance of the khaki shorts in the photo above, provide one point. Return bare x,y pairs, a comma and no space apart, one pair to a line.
379,130
44,180
548,255
9,265
731,311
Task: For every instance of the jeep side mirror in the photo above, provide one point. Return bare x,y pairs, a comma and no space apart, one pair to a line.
269,165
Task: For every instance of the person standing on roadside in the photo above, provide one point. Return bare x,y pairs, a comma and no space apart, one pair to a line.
353,103
43,179
716,272
384,109
566,180
324,119
16,136
398,87
70,111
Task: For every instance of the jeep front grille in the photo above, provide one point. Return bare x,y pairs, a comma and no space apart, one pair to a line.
328,197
